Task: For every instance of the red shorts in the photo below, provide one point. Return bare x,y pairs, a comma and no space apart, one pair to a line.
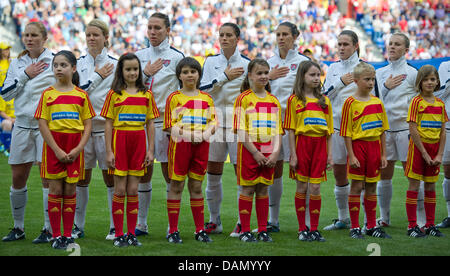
129,148
368,154
187,159
249,173
417,168
312,159
52,168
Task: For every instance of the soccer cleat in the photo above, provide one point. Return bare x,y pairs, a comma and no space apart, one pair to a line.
416,232
60,243
237,231
44,237
316,236
377,232
120,241
15,235
444,224
338,224
433,231
304,236
132,240
174,237
111,235
77,232
264,236
212,228
247,237
141,230
355,233
382,223
202,236
274,228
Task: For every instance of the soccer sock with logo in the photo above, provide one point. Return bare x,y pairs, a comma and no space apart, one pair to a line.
315,202
262,212
118,211
411,206
370,207
275,192
198,213
19,198
430,207
132,212
384,191
354,202
300,210
173,211
341,193
54,213
68,213
82,201
145,198
245,211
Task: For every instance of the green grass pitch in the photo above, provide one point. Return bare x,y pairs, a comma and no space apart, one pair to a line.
285,243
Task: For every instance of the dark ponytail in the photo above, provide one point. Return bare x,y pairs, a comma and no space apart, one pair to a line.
73,61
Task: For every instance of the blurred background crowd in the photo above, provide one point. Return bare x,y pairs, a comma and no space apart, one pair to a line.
195,23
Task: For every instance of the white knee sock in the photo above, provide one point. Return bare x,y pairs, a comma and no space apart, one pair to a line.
275,192
341,193
145,198
384,191
82,201
110,194
214,195
446,188
18,198
421,218
45,208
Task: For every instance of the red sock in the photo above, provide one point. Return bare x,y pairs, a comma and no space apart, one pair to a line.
117,212
198,212
411,208
430,207
315,202
370,207
262,212
300,209
354,203
54,214
173,210
68,214
132,212
245,212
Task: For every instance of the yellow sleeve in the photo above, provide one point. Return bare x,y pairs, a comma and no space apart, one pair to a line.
152,109
346,121
108,106
329,117
289,116
169,121
2,105
239,120
384,118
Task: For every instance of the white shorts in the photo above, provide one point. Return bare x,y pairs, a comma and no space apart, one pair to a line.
161,143
446,158
26,146
95,151
285,152
397,145
338,149
223,143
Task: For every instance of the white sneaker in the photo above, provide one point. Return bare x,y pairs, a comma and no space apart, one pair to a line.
112,234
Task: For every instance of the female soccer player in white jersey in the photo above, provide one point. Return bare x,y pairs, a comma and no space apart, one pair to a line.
28,76
396,86
338,86
222,78
158,61
96,70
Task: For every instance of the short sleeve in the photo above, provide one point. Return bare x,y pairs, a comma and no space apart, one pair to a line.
108,106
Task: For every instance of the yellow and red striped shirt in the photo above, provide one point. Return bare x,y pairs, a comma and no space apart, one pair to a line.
189,112
429,117
363,120
259,117
130,111
310,118
64,111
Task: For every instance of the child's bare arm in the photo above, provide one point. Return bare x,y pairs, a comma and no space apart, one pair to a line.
438,159
150,155
108,143
352,160
415,136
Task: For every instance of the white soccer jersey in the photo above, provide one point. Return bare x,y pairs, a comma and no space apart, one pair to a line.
335,89
27,92
165,81
94,84
444,92
396,101
282,88
216,83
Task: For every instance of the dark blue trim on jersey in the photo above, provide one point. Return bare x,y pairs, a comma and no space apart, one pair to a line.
412,66
176,50
328,91
84,87
377,92
4,91
112,57
300,54
245,57
208,86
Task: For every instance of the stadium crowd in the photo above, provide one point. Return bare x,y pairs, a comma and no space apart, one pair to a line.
195,23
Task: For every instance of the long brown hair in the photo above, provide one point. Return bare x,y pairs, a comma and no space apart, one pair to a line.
299,84
424,72
246,83
119,83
